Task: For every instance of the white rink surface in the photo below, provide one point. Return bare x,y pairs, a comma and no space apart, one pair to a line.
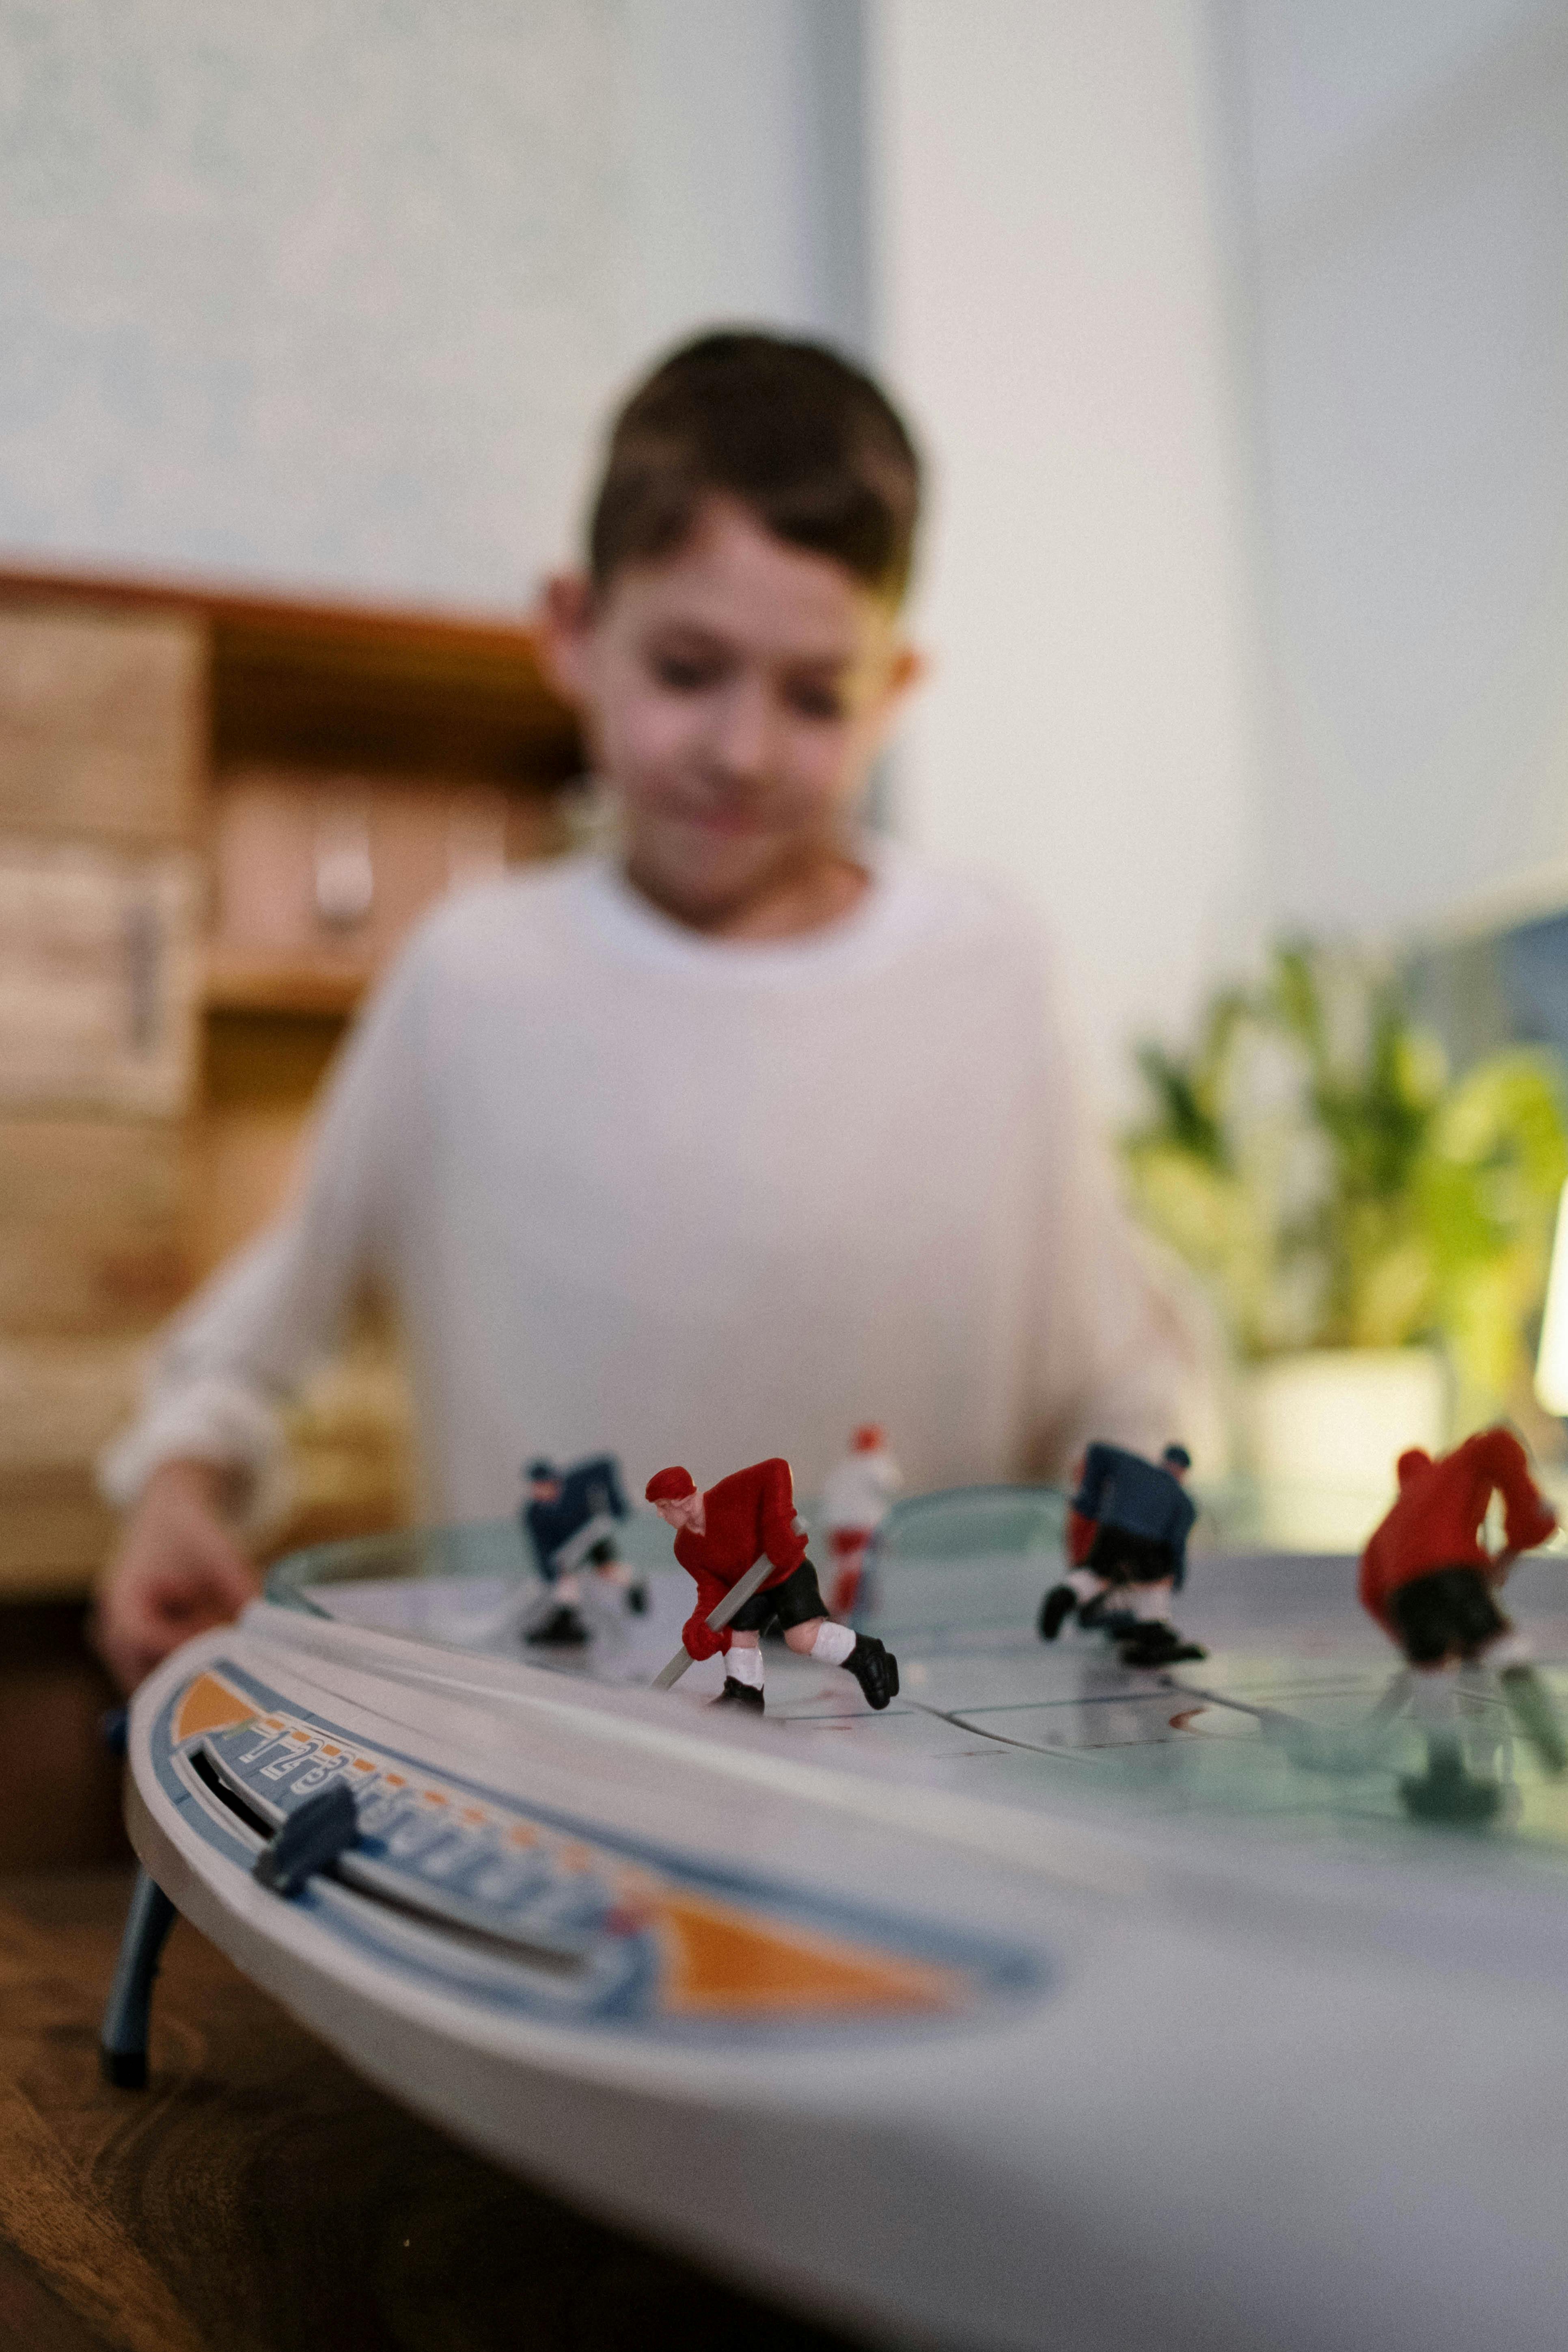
982,1696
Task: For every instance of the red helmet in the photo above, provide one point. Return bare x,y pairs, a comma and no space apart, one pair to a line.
670,1486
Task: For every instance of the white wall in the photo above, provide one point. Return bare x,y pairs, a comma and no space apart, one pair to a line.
747,165
1409,270
316,291
1052,254
332,293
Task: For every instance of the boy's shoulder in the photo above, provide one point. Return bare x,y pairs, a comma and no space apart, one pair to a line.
523,920
977,926
960,904
571,915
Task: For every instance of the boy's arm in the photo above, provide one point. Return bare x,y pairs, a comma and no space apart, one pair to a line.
179,1572
235,1351
208,1437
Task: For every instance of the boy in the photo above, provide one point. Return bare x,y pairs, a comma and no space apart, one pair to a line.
727,1133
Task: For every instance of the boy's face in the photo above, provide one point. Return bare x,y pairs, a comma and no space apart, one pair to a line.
734,696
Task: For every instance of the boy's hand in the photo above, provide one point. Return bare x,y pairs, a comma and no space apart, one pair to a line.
178,1572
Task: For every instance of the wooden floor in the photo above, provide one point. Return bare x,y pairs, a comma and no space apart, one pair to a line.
258,2195
61,1786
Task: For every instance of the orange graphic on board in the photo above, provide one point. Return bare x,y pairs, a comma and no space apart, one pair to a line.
719,1962
209,1705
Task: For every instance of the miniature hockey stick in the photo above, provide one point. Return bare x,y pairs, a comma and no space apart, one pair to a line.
719,1617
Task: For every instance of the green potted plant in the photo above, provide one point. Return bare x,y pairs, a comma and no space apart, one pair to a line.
1374,1233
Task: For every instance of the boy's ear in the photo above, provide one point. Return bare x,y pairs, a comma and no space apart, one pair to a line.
909,668
563,625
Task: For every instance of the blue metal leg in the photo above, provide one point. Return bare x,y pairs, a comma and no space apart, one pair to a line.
122,2044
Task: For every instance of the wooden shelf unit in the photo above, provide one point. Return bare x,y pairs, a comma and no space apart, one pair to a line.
323,684
156,729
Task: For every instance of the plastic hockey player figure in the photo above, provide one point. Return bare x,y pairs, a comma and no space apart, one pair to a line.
721,1534
855,1501
1430,1582
570,1520
1127,1534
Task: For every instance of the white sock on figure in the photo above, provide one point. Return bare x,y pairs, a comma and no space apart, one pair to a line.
833,1643
1084,1582
1152,1602
567,1591
744,1666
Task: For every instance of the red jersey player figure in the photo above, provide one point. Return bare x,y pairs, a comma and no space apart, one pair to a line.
855,1502
721,1534
1431,1584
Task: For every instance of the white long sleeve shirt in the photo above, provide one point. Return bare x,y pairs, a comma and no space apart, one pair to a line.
636,1190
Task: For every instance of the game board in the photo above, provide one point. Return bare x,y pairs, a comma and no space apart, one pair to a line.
1059,2002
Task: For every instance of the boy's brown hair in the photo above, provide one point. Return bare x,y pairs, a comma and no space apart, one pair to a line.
810,444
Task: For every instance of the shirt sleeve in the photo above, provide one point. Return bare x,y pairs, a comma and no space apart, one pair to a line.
235,1352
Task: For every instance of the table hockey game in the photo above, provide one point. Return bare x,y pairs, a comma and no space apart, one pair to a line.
1060,2003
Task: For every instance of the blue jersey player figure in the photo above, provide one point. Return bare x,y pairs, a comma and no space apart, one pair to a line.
570,1519
1127,1534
